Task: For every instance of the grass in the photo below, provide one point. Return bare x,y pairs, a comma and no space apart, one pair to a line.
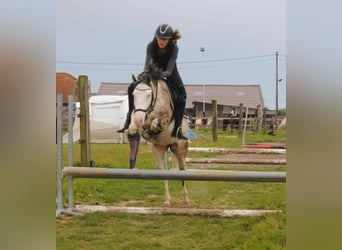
132,231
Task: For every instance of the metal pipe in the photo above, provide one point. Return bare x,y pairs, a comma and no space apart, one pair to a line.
59,153
70,130
70,192
244,128
195,175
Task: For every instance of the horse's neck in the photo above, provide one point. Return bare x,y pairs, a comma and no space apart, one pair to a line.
163,103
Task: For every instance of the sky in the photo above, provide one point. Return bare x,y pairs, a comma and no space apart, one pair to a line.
106,40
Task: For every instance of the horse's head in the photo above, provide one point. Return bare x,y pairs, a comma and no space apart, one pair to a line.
145,95
142,98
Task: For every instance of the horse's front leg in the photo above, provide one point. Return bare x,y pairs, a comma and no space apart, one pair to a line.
186,199
178,160
167,201
182,167
159,122
159,153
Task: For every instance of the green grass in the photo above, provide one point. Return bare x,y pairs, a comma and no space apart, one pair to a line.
132,231
116,155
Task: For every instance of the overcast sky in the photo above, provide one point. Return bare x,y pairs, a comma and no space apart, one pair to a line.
106,40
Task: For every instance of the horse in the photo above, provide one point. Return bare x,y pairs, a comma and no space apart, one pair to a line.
152,117
205,121
231,122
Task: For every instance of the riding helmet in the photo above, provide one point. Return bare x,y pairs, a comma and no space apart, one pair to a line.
164,31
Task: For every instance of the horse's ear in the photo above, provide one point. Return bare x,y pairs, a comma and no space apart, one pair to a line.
134,78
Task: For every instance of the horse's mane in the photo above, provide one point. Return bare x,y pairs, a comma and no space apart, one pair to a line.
154,73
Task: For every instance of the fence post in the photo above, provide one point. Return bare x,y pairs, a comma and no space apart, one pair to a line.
214,121
84,121
259,118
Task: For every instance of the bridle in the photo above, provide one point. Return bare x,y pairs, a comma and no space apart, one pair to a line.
154,91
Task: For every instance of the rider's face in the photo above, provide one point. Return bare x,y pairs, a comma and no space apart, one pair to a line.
162,42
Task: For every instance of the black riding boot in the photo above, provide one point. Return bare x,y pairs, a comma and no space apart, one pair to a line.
127,122
177,130
132,164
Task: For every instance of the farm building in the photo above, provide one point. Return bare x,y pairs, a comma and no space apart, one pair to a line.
66,85
228,96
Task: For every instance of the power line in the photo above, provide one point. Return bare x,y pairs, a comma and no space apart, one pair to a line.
91,68
230,64
99,63
184,67
181,62
225,60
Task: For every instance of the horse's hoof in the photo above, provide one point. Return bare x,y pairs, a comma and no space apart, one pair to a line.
146,135
167,204
155,124
186,202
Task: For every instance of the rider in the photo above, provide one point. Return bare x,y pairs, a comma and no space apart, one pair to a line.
130,108
163,51
134,140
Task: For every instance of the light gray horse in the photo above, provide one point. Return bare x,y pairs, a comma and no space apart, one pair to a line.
152,117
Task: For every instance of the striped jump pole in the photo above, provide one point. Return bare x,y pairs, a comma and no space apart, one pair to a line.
238,150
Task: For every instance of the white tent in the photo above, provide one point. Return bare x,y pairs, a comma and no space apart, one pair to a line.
107,113
282,124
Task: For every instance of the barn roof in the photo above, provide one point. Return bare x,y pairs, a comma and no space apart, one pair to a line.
65,85
225,94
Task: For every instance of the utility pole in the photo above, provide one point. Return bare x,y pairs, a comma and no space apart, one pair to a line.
277,80
202,49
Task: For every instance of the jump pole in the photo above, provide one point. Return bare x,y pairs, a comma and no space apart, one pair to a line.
70,151
235,161
238,150
193,175
231,213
